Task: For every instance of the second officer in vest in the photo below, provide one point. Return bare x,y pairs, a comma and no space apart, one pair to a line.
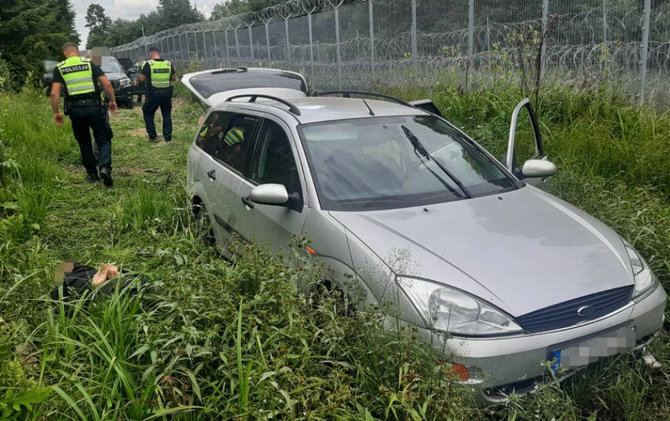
83,104
159,74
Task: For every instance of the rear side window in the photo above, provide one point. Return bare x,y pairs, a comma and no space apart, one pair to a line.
236,142
211,134
274,162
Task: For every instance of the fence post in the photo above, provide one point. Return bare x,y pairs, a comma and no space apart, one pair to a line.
227,49
216,50
174,48
488,41
251,44
604,21
471,41
267,40
414,47
372,35
288,48
204,46
337,47
311,45
471,28
188,49
645,49
543,51
181,49
237,48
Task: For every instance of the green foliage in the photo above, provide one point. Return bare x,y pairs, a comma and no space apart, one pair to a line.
202,338
237,7
98,24
169,13
32,31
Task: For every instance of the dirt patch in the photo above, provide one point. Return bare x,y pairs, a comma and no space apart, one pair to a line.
177,103
139,132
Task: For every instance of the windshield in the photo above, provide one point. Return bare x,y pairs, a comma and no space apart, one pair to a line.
110,65
380,163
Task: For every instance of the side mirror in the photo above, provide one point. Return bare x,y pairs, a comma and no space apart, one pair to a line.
269,194
538,168
132,69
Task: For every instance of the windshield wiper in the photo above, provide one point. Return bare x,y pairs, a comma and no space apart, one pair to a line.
419,148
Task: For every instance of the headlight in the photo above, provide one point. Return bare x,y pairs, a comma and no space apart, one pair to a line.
453,311
124,82
645,281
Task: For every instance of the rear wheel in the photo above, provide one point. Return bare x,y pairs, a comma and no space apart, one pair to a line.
203,223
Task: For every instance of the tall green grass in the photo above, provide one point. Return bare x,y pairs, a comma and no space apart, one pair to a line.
207,339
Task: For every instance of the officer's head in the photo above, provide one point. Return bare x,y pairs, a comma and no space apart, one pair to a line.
70,49
154,53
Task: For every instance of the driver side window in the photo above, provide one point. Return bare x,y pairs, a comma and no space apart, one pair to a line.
274,162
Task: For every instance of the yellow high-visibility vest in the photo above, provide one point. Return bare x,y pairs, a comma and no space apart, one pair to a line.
160,73
78,75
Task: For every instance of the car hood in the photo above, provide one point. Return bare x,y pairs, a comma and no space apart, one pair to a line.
522,251
115,76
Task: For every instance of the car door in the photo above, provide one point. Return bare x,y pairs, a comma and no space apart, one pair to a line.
515,155
215,86
275,161
207,171
233,156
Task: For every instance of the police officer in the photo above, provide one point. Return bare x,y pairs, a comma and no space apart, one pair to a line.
159,74
84,106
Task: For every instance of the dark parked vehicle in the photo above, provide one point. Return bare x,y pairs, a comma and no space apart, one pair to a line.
122,84
113,70
132,70
48,75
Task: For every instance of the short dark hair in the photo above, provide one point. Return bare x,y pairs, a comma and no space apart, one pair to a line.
70,44
154,50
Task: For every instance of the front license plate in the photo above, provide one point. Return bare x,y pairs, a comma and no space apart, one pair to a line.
594,348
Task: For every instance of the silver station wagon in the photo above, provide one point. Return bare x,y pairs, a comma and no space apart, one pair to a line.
508,282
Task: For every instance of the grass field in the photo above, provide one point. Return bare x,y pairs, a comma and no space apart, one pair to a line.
206,339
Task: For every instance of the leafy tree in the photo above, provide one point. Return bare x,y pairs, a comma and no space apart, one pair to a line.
32,31
98,24
177,12
170,13
236,7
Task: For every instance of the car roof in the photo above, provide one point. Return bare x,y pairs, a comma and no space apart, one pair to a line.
322,108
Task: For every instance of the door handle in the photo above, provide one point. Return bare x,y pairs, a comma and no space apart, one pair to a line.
248,202
211,174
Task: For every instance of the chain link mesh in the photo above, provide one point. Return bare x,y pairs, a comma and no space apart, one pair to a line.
367,44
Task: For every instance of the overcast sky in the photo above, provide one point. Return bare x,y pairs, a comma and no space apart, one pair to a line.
128,9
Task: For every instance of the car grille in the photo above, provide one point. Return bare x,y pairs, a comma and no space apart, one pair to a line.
565,314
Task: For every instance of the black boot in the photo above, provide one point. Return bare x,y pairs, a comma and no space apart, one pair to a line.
106,175
92,177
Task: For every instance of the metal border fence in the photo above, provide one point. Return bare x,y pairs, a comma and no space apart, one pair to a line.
375,42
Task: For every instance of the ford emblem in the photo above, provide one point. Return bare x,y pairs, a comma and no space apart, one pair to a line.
585,311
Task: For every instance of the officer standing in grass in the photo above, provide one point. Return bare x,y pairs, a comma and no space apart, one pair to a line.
159,74
84,106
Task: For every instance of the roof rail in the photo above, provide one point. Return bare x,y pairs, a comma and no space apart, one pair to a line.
347,94
252,98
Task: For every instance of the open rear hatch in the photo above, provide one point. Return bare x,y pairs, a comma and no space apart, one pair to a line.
216,86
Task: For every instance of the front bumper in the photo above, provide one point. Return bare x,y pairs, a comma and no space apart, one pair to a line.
499,366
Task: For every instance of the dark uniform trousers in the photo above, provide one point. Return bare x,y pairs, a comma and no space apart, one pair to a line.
87,117
158,98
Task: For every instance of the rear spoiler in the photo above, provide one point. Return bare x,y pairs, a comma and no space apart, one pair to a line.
426,105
